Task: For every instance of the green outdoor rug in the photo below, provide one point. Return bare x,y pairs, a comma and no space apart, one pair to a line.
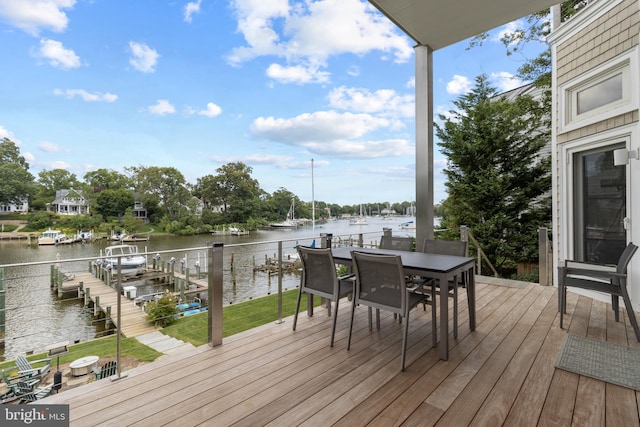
603,361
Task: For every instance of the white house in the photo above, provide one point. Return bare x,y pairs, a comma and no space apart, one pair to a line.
596,90
69,202
22,207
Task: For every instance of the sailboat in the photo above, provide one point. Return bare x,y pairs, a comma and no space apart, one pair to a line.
290,222
360,220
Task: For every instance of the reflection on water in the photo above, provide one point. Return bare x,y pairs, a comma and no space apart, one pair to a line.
35,318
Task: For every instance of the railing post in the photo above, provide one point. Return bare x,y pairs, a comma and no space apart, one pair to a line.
544,270
279,282
214,292
2,310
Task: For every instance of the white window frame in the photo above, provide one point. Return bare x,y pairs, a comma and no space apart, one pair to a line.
627,64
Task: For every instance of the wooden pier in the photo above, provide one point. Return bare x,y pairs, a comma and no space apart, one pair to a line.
104,298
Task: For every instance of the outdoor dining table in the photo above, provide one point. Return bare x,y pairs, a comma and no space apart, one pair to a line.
435,266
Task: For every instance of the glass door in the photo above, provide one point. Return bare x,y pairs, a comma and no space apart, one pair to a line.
600,206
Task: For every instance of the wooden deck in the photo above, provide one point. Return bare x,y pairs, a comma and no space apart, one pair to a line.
501,374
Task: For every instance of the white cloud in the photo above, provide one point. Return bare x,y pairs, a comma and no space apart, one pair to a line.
212,110
191,9
356,28
332,134
297,74
86,96
280,162
4,133
459,85
57,54
143,58
161,108
49,147
33,16
505,81
384,101
30,158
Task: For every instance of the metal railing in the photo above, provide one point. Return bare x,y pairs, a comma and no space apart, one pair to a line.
223,265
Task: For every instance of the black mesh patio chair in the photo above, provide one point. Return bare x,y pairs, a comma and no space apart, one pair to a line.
381,284
396,243
319,277
609,279
455,248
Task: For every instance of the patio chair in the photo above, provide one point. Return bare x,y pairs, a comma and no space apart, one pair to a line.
380,284
396,243
319,277
108,369
609,279
11,383
28,393
27,367
455,248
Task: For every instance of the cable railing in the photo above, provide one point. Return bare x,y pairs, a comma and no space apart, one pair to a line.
76,305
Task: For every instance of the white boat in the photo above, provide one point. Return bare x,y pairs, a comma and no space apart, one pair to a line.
131,264
359,220
409,225
290,222
51,237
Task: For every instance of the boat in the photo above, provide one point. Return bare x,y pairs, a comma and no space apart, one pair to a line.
290,222
131,264
134,238
51,237
359,220
409,225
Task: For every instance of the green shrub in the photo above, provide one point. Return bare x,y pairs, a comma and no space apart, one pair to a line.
162,312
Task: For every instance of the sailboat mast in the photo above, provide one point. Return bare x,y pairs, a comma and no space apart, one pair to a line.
313,204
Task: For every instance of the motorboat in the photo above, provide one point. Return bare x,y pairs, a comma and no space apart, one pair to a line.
131,262
51,237
409,225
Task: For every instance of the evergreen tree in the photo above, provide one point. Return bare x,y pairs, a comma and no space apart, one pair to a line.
498,184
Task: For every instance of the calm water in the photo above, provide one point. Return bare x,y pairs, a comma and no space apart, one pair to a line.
35,318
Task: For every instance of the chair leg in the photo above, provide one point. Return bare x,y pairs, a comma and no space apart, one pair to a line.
630,312
455,307
295,316
615,304
335,321
378,318
353,311
369,309
404,342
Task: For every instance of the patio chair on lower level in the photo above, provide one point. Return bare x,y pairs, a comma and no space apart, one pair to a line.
12,381
609,279
319,277
381,284
27,367
108,369
29,393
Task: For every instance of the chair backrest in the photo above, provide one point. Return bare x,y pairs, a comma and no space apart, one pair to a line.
23,364
319,275
380,281
625,258
109,369
396,243
445,247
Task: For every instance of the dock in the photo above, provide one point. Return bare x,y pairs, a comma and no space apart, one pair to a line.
105,298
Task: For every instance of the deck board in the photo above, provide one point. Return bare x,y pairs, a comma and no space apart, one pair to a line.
501,374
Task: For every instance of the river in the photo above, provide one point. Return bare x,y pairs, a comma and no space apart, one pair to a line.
35,317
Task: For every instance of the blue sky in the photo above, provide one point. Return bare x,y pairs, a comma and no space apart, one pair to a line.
90,84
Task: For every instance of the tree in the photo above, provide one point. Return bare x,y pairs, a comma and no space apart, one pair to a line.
234,189
57,179
114,203
498,184
16,183
107,179
164,187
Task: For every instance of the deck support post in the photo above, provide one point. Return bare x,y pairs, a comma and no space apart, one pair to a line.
214,291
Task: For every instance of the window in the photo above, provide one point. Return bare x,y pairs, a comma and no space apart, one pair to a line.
599,94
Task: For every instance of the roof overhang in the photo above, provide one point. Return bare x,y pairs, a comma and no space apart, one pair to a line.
440,23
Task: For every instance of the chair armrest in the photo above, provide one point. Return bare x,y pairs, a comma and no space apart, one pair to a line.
589,265
604,274
347,277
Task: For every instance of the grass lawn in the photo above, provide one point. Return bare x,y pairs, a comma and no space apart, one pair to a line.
238,317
